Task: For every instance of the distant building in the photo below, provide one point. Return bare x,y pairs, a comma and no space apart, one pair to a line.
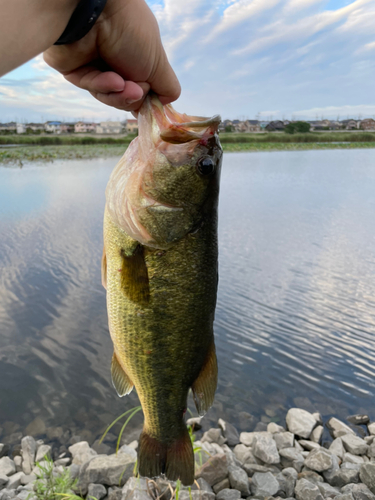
249,126
131,126
368,124
85,128
52,127
35,127
109,128
275,126
263,124
20,128
9,128
350,124
67,128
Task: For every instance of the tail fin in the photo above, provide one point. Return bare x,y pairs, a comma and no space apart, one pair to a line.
175,460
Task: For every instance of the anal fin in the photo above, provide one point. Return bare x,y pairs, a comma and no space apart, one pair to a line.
204,386
120,380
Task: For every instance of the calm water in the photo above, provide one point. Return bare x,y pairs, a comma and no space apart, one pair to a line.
296,304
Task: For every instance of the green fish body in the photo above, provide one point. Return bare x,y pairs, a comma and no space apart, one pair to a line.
160,271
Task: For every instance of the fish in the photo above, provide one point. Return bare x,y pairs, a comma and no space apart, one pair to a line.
160,270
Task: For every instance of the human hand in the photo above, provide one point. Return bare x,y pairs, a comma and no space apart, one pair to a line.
120,59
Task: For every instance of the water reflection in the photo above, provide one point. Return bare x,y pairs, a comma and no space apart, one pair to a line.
296,304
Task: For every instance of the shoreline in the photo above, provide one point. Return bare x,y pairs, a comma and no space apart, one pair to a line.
266,462
19,154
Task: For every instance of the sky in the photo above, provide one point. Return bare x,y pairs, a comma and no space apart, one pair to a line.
244,59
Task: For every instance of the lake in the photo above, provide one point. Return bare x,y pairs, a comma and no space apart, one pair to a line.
296,304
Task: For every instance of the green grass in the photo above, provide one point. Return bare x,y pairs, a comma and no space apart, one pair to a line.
267,146
310,137
53,487
60,140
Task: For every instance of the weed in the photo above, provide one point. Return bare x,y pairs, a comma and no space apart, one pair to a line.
49,486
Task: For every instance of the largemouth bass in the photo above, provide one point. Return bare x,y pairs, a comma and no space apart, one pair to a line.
160,271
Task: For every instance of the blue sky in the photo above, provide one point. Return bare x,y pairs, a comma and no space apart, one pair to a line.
240,58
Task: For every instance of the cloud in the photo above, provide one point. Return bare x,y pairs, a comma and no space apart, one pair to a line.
237,58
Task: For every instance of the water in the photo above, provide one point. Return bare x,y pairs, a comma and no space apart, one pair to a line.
296,302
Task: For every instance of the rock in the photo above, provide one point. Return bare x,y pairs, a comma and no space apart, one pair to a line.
284,440
273,428
338,428
371,428
327,490
319,460
62,461
317,434
358,491
358,419
247,438
42,451
203,485
97,491
227,494
286,484
195,422
332,472
232,460
261,427
346,476
7,466
81,453
36,427
196,495
305,490
253,468
264,485
105,469
28,446
55,433
74,471
290,457
354,444
290,472
300,422
222,485
136,488
15,480
311,476
353,459
128,451
4,450
114,493
101,448
239,480
244,454
7,494
18,462
309,445
367,475
337,448
230,432
213,436
265,449
247,421
318,418
28,478
3,481
214,470
13,438
371,450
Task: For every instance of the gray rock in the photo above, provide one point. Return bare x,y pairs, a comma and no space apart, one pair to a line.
346,476
55,433
136,489
358,419
103,469
371,428
28,447
371,450
337,448
18,462
3,481
244,454
358,491
222,485
354,444
311,476
230,432
227,494
253,468
4,449
309,445
196,495
36,427
318,418
290,457
367,475
101,448
261,427
353,459
239,480
7,466
62,461
247,438
15,480
327,490
81,453
284,440
319,460
286,484
274,428
25,495
195,422
128,450
232,460
331,473
97,491
27,479
338,428
7,494
290,472
114,493
74,471
264,485
305,490
265,449
317,434
213,436
203,485
214,470
43,451
300,422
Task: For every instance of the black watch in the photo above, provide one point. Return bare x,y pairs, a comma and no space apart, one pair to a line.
82,20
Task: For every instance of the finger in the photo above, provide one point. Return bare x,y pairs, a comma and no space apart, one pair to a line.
121,100
164,81
92,79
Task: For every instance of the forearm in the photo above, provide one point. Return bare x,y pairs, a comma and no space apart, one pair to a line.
28,27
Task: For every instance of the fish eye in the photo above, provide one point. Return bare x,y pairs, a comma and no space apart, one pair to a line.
205,165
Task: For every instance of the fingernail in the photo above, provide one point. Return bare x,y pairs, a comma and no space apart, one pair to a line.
131,101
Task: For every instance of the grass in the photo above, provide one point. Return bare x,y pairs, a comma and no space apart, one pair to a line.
53,487
30,152
63,140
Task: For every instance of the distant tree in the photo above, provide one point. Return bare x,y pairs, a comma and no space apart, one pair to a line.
229,128
294,127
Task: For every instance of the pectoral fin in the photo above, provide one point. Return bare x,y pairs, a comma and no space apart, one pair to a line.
104,269
204,386
134,276
120,380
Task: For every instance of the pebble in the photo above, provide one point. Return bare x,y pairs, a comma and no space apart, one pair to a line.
354,444
367,475
305,490
264,448
319,460
264,485
238,479
300,422
7,466
317,434
290,457
309,445
244,454
284,440
337,448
